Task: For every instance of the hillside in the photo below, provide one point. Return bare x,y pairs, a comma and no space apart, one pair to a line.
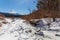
19,29
38,14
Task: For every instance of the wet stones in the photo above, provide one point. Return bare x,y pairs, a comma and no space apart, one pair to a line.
40,33
28,31
57,35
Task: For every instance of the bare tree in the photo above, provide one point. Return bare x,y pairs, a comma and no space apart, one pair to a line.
49,5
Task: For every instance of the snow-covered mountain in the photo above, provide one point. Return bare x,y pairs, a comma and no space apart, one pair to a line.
10,14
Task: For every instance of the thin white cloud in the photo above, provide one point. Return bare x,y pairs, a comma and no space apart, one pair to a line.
12,11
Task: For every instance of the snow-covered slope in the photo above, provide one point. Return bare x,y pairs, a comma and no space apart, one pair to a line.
19,29
16,29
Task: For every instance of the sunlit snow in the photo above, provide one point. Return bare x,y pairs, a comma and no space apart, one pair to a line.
19,29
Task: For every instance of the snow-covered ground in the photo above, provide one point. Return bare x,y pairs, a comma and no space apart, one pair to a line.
19,29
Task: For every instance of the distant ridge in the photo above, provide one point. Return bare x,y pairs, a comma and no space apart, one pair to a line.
9,14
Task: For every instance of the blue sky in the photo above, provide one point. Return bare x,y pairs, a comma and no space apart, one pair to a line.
19,6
